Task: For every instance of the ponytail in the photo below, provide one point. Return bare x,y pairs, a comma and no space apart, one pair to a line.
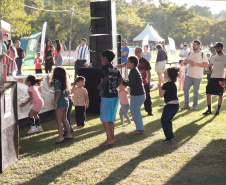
34,80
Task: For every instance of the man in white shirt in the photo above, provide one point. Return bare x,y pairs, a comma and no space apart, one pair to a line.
196,61
82,52
183,53
215,85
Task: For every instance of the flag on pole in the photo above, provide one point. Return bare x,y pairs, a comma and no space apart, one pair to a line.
32,48
145,41
43,39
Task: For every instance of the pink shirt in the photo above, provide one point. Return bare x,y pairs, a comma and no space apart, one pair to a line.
123,98
35,94
80,96
38,63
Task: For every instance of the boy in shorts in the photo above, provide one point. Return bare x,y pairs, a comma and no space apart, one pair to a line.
110,80
216,83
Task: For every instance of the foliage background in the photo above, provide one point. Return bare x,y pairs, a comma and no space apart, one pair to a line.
170,20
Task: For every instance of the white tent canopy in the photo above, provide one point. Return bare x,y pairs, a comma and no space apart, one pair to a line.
5,26
153,35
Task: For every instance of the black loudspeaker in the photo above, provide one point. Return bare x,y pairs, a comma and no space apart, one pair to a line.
9,130
93,79
96,59
101,42
101,26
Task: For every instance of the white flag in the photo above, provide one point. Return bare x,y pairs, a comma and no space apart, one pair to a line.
145,41
43,39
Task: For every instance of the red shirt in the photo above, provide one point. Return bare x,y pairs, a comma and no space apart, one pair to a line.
143,67
38,63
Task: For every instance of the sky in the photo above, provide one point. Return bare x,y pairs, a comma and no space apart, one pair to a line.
215,6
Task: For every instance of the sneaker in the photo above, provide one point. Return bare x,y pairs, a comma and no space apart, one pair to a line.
150,114
217,113
32,130
39,128
168,140
207,113
185,107
194,107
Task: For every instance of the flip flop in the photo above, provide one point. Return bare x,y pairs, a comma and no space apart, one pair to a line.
58,141
138,132
68,138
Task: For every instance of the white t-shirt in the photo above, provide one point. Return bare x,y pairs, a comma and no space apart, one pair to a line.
183,52
195,71
219,63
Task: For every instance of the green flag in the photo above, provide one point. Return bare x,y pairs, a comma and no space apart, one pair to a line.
32,48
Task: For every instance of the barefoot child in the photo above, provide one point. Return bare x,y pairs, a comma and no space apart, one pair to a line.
110,80
124,104
169,92
81,101
38,64
38,103
137,93
59,80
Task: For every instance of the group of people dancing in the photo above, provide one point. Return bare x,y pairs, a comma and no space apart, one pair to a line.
113,89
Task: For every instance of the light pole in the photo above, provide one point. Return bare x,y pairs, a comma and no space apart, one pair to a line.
72,9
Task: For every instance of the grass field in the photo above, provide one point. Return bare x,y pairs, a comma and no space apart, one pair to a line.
196,157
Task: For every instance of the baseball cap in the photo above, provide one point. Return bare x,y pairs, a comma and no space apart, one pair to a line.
218,45
124,40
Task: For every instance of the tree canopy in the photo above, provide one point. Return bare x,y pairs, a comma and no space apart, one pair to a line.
170,20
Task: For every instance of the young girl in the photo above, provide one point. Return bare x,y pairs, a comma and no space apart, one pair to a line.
59,80
183,69
38,64
137,93
146,54
38,103
81,100
124,104
169,91
12,55
57,53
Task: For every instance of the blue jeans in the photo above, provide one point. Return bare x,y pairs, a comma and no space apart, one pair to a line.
169,111
135,105
19,63
60,61
188,82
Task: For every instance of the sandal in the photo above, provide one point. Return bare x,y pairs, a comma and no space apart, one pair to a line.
138,132
68,138
59,141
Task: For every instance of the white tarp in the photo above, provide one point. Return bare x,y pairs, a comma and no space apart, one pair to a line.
6,26
22,95
153,35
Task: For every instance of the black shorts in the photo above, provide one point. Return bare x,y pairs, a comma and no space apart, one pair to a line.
213,86
37,71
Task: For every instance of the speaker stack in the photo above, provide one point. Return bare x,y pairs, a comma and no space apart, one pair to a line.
103,29
104,36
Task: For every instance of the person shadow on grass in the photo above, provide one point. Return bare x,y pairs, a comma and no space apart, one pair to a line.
183,135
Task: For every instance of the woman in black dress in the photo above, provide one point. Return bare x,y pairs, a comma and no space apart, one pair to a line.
48,56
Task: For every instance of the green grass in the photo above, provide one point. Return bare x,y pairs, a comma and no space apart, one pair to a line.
196,157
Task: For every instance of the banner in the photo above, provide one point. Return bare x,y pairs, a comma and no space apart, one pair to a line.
31,49
172,44
145,41
43,39
46,92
